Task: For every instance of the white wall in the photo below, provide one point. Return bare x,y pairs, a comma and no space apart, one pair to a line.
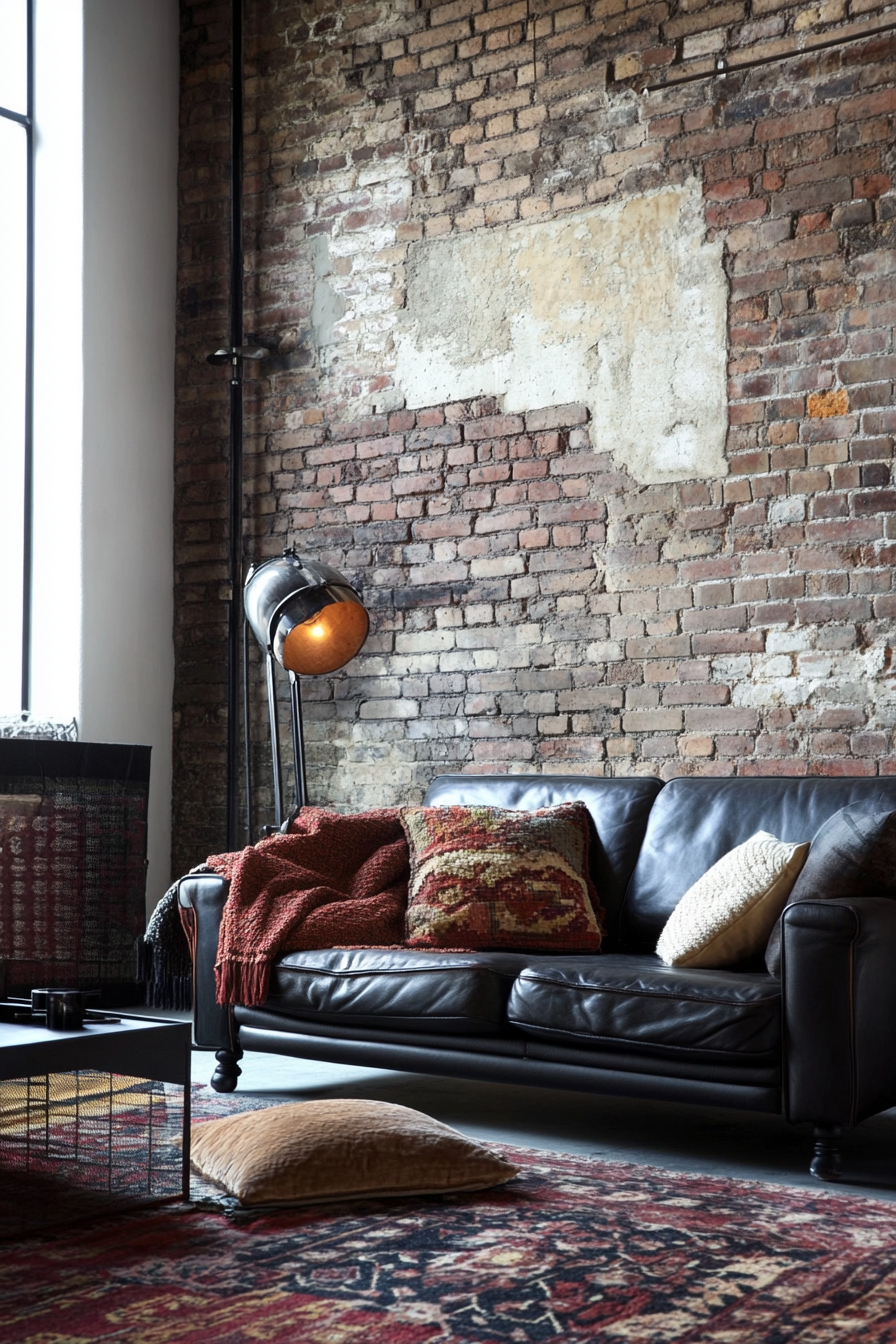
58,362
131,83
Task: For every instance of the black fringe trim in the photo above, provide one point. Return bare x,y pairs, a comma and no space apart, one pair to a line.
163,958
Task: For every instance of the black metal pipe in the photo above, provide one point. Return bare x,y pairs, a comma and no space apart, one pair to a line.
723,68
236,177
235,613
28,446
21,118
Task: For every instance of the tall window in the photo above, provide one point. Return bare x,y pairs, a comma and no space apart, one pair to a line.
16,346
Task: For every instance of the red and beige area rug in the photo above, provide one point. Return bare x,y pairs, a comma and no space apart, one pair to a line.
572,1250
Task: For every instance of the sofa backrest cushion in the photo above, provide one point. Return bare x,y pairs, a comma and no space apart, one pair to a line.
695,821
619,809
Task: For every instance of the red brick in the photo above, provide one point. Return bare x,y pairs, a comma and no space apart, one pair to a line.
870,105
796,123
811,610
555,417
416,485
438,36
493,427
851,766
751,641
874,501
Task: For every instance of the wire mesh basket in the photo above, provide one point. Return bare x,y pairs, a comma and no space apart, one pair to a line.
82,1144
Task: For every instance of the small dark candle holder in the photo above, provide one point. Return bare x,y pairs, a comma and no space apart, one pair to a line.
64,1008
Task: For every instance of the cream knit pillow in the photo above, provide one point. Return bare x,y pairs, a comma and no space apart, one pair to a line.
730,911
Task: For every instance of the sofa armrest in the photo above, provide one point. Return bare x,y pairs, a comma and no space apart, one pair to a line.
838,972
201,898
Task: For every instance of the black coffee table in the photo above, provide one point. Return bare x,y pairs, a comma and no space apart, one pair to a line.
137,1047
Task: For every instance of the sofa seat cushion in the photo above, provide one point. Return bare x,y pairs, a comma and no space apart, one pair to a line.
635,1003
398,988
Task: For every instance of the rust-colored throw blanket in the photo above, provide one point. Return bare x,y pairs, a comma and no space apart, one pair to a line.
332,881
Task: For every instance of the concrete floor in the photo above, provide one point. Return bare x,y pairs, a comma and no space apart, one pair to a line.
701,1139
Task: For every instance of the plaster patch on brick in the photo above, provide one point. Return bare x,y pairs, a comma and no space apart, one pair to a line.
811,680
622,307
327,305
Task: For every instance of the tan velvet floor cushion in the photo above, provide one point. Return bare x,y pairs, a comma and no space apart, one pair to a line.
331,1150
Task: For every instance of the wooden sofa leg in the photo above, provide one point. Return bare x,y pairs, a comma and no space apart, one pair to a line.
826,1160
227,1070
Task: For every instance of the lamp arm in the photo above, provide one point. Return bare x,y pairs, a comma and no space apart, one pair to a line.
275,737
247,729
298,740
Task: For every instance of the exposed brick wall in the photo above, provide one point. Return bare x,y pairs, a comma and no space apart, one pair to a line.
534,607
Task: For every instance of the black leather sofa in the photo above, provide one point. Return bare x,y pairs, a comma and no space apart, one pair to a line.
817,1046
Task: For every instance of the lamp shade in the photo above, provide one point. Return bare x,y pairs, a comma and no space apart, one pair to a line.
305,613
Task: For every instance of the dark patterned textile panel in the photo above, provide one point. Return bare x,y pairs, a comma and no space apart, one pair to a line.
72,862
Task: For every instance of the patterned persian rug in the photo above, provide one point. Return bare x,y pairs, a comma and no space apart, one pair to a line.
573,1250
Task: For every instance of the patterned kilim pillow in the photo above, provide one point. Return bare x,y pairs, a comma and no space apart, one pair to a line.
486,877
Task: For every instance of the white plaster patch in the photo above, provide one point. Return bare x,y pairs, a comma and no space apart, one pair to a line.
327,305
789,509
815,678
622,307
788,641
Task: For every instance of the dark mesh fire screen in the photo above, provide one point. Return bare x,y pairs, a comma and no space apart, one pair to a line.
72,863
76,1145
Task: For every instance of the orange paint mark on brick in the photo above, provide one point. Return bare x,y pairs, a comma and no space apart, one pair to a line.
813,222
822,405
